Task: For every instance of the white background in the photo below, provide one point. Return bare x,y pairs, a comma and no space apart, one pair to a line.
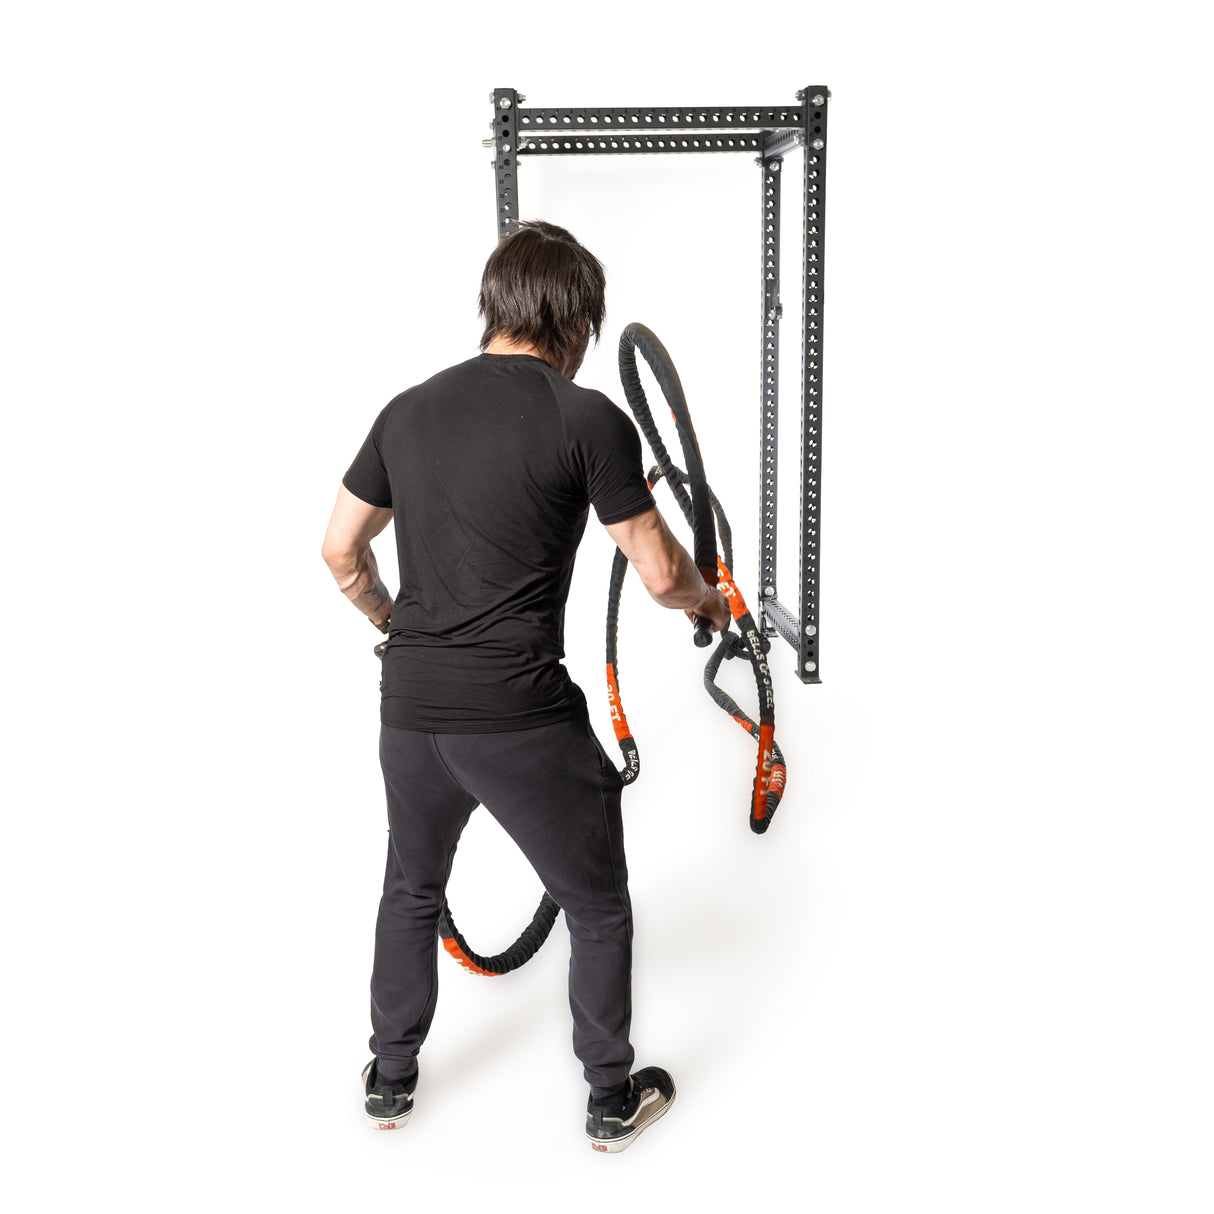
969,966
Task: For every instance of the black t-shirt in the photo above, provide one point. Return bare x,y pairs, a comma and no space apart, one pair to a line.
490,469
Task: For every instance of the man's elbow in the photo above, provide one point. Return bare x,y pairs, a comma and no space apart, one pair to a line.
663,583
338,557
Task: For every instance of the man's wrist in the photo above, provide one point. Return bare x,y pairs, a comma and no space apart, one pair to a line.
706,590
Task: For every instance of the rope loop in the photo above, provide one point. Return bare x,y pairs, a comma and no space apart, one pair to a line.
701,508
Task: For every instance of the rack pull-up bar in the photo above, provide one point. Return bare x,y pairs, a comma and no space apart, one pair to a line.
767,133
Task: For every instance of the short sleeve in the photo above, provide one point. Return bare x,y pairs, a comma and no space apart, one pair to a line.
607,448
367,478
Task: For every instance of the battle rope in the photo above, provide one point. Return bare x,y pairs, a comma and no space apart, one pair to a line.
699,506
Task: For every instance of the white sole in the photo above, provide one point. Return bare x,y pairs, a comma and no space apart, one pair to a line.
390,1123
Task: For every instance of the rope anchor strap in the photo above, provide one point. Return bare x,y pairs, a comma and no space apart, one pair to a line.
699,506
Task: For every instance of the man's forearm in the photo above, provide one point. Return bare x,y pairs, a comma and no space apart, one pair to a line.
358,579
686,589
667,569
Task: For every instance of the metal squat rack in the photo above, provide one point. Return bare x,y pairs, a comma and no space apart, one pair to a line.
768,132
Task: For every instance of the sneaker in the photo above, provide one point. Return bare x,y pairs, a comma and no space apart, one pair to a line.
388,1105
617,1122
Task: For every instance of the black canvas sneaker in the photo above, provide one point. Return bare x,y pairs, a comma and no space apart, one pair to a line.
388,1105
616,1123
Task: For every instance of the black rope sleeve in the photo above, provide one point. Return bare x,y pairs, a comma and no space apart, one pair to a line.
619,722
668,381
695,506
722,529
519,953
678,476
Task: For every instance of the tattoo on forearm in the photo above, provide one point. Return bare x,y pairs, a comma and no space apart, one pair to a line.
373,599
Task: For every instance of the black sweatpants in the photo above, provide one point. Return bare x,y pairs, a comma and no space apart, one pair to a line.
558,797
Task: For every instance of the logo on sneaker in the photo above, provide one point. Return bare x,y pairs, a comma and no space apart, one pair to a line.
387,1125
598,1146
650,1096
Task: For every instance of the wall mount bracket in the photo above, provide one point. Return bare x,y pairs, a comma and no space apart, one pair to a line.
766,133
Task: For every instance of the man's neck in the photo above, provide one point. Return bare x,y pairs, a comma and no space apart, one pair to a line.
503,345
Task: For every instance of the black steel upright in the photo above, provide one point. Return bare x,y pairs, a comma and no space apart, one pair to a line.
505,157
767,133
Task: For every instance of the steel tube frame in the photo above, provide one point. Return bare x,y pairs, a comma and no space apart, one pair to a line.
767,133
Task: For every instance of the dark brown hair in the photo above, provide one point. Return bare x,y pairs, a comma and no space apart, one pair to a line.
541,287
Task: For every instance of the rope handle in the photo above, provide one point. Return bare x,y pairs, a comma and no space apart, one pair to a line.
703,628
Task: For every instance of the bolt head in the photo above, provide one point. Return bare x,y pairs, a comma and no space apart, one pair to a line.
818,99
819,144
800,94
811,630
769,590
810,667
504,103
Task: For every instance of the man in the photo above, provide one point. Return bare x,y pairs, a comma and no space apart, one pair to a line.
489,469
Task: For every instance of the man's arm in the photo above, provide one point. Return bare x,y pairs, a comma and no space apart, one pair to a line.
347,552
666,568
